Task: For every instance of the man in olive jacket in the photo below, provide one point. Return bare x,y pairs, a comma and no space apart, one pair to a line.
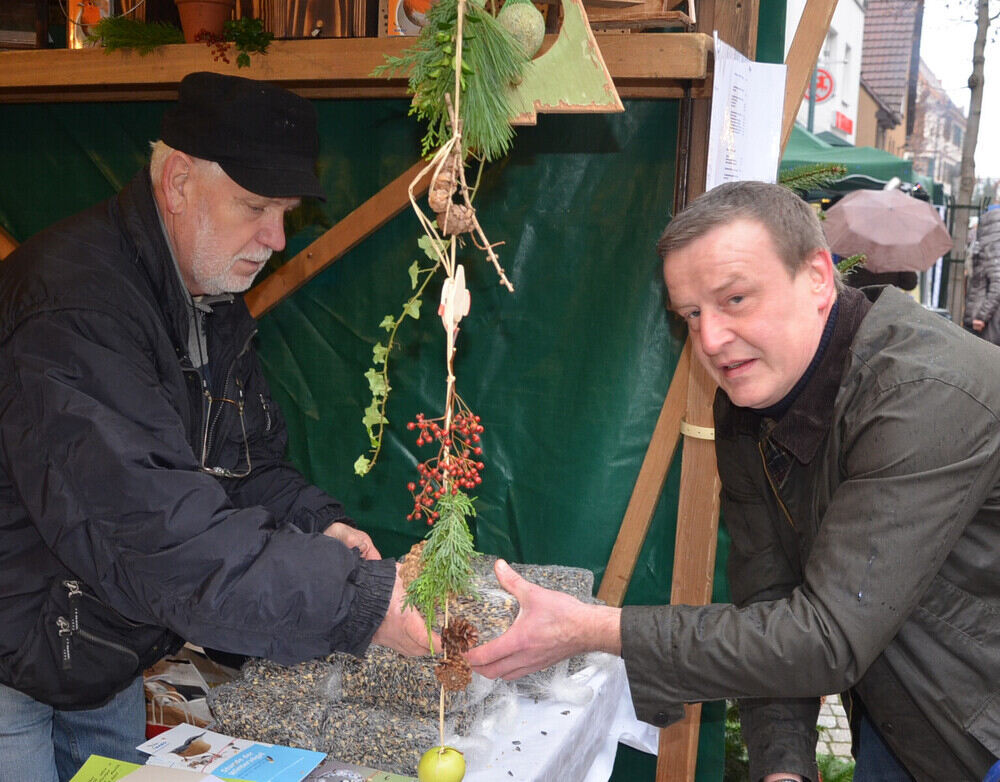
858,445
144,495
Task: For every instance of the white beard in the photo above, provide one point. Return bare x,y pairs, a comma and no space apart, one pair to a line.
212,271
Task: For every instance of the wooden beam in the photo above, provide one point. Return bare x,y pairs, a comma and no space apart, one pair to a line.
332,245
698,505
801,59
7,244
648,487
694,559
317,68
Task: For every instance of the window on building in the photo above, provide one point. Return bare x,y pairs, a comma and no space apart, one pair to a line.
956,135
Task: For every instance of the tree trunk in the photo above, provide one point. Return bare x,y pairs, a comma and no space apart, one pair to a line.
967,183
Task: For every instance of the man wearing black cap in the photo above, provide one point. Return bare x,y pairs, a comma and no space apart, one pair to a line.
144,498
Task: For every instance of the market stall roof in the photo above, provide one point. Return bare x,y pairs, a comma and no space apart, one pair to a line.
805,148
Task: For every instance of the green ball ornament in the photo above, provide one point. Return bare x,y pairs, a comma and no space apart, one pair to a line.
525,23
441,764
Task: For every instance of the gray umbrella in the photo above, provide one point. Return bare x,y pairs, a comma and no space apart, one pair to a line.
896,232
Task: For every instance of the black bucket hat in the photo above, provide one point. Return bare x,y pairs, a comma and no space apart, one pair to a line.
263,136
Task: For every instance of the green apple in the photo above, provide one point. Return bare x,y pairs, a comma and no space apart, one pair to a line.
441,764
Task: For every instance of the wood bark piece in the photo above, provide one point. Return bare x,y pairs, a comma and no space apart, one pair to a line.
648,487
344,236
801,58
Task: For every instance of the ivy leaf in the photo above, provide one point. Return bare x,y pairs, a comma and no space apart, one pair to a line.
379,352
376,382
362,465
412,308
414,271
373,416
426,244
388,322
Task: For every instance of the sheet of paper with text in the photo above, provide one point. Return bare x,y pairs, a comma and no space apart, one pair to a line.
745,133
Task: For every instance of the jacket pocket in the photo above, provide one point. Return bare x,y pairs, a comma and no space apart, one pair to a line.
80,652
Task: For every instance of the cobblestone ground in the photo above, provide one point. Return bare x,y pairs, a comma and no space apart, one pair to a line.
836,738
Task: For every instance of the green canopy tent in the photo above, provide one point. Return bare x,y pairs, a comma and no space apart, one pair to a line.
868,168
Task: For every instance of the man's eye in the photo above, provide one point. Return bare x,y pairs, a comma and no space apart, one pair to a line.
735,299
693,315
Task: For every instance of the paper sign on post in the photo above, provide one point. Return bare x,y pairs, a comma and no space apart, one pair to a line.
745,133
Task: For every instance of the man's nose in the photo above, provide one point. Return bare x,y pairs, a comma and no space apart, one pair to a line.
714,332
272,233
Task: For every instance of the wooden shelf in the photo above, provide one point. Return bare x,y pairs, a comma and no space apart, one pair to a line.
643,65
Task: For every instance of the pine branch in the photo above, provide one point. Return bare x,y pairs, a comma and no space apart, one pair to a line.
847,264
491,61
811,176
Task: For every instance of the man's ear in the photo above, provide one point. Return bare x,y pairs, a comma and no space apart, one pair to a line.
822,276
176,181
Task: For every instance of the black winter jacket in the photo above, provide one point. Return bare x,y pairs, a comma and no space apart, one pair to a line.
114,545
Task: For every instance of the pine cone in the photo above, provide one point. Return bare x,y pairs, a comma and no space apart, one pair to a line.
458,219
444,185
454,674
459,636
411,564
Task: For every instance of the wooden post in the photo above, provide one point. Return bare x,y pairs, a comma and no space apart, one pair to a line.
698,504
343,237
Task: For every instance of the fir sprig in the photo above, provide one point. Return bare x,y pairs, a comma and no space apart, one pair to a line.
491,62
121,32
446,558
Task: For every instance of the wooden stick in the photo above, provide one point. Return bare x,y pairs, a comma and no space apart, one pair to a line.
648,487
801,60
331,246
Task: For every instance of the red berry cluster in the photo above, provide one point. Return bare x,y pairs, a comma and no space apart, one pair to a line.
218,44
456,464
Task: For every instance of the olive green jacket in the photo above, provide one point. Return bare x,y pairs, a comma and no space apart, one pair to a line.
865,555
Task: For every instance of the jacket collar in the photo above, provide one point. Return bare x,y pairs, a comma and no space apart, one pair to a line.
143,229
805,424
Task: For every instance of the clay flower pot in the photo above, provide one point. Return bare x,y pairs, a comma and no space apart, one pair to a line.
198,15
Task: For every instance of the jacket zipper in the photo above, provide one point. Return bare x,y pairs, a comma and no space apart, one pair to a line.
267,413
208,396
774,489
67,628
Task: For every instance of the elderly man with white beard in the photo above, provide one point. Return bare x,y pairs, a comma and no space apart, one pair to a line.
144,495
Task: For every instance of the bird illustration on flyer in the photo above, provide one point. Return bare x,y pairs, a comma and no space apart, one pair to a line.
188,746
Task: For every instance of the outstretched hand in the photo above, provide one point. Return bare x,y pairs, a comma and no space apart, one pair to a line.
403,629
353,538
549,627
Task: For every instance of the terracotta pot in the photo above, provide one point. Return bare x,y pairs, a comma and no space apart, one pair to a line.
198,15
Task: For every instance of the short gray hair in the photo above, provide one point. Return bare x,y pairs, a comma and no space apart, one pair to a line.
792,224
160,151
